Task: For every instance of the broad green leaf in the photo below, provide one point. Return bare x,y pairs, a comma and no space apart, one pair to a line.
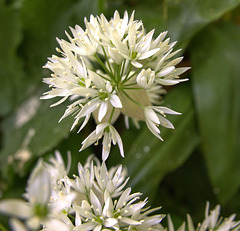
216,85
148,159
186,17
12,86
181,18
32,131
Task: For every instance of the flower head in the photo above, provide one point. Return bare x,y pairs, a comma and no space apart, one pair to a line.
212,221
96,199
109,68
38,192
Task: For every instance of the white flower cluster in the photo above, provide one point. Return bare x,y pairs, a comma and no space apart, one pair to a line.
96,200
211,222
113,67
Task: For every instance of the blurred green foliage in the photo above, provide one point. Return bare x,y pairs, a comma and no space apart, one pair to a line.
198,161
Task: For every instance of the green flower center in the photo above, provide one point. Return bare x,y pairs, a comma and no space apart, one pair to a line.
81,82
103,95
41,210
134,55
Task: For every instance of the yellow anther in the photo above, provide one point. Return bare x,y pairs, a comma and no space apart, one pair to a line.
75,39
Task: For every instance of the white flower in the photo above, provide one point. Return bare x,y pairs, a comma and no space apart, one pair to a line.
112,67
37,194
212,221
146,78
113,180
56,167
109,134
155,115
106,205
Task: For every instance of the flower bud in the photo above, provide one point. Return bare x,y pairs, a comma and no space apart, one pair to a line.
115,56
145,78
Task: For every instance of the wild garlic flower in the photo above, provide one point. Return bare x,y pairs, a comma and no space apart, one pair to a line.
212,221
102,203
96,199
38,192
109,68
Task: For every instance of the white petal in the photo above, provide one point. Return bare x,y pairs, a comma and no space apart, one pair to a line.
100,127
15,207
96,203
82,91
110,222
148,54
153,128
56,225
59,102
115,101
84,122
117,42
114,54
165,71
165,123
97,80
85,226
151,115
39,184
130,221
136,64
98,228
117,138
92,138
165,110
123,198
169,82
106,146
102,110
180,70
17,225
88,108
131,35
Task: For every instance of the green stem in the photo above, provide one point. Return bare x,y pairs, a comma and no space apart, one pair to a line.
103,77
129,70
129,84
140,105
110,118
123,66
102,65
109,66
133,88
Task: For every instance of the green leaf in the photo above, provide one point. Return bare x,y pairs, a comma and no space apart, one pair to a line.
148,159
30,132
216,84
11,74
186,17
